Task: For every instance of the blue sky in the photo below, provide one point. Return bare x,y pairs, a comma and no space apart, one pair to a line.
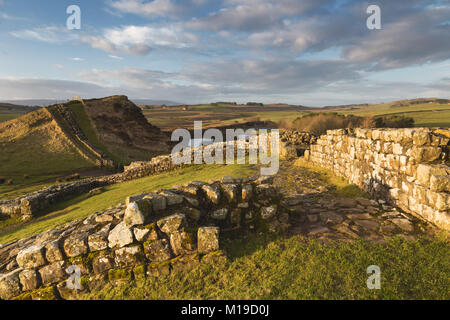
311,52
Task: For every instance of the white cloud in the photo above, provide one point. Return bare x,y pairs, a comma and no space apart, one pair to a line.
77,59
140,7
50,34
139,40
115,57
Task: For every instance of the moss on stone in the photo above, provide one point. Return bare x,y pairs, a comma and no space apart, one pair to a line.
120,274
139,271
48,293
23,296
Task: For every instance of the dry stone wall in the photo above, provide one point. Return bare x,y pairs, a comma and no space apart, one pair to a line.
409,168
27,206
149,235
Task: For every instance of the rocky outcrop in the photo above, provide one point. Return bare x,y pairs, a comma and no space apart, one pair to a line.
149,236
405,167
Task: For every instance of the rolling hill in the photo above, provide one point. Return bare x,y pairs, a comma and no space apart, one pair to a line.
74,137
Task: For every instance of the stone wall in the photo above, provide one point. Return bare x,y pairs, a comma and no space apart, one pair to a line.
149,235
27,206
409,168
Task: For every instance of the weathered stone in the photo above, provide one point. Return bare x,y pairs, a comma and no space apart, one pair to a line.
145,233
359,216
192,201
220,214
10,284
99,241
120,236
129,256
192,213
133,215
368,224
53,273
53,251
29,280
208,239
31,257
76,245
172,198
102,263
157,250
440,183
268,212
247,192
181,242
403,224
172,223
212,193
157,269
230,191
318,230
159,202
331,218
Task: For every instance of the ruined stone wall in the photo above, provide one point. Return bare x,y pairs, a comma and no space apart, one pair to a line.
27,206
148,236
409,168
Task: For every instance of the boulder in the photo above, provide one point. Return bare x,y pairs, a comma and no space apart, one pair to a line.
120,236
208,239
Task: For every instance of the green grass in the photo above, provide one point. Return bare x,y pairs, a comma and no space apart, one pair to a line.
424,115
86,126
84,205
9,116
295,268
342,187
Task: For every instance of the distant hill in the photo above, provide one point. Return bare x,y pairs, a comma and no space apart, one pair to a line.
77,136
155,102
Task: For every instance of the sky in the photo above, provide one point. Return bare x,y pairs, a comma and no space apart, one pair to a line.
308,52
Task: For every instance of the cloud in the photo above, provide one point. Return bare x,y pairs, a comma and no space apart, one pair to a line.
77,59
115,57
156,7
254,15
49,34
139,40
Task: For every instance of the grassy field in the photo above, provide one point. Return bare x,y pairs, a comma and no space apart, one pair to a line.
33,152
84,205
425,115
8,116
295,268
